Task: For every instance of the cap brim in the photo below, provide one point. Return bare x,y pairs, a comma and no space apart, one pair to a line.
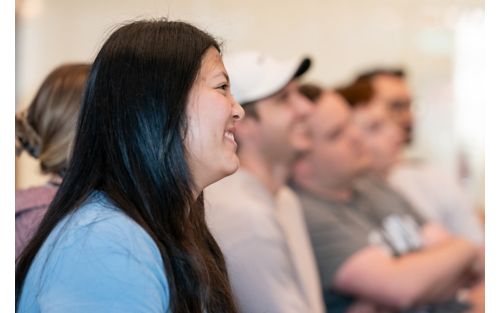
303,67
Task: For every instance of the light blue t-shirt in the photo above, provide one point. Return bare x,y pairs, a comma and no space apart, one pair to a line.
96,260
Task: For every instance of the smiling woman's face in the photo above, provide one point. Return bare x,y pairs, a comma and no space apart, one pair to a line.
212,113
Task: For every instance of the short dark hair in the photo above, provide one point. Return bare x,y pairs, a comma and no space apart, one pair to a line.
251,109
370,74
358,93
311,91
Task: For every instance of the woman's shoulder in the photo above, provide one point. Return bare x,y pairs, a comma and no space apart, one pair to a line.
100,222
103,258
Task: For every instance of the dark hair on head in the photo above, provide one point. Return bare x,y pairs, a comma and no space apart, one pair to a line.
46,128
250,109
358,93
370,74
311,91
130,144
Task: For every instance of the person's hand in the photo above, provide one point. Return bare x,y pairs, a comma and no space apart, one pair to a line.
476,297
476,271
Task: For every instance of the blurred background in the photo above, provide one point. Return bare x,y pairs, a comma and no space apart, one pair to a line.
438,42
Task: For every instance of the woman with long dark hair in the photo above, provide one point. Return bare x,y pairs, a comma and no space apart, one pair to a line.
126,230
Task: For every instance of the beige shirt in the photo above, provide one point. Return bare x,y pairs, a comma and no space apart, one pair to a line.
267,249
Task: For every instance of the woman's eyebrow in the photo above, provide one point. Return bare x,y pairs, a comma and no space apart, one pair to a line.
222,73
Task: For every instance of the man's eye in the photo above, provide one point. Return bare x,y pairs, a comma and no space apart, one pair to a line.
375,127
334,134
400,105
283,97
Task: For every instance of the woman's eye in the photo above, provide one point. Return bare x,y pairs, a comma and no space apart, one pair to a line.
223,87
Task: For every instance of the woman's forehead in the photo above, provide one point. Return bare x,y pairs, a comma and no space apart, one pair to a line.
212,65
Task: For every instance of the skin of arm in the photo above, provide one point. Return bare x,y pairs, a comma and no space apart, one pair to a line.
415,278
433,233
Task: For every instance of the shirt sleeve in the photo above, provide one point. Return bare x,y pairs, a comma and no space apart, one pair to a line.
103,271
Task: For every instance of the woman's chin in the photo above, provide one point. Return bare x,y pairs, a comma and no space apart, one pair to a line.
229,169
233,166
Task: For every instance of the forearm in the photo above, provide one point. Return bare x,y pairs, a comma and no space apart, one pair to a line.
419,277
436,272
435,295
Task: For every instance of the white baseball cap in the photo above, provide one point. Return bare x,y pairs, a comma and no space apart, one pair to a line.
255,76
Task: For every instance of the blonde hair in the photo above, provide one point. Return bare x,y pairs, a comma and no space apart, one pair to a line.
46,128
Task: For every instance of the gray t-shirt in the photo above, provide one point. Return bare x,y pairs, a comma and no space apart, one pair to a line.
375,215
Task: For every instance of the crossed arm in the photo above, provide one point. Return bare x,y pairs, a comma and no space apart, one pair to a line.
426,276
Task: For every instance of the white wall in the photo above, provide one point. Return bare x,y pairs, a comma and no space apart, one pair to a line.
343,37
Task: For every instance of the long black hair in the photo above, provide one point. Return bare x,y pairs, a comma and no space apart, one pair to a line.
130,144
